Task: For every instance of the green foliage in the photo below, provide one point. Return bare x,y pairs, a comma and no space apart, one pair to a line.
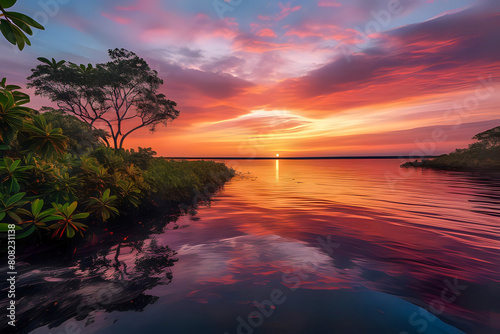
489,138
40,177
64,189
66,220
129,193
93,175
142,158
12,174
181,180
10,206
12,112
82,138
4,227
112,159
36,218
40,138
15,26
53,64
105,206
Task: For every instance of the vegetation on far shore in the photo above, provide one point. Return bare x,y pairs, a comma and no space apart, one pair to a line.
483,155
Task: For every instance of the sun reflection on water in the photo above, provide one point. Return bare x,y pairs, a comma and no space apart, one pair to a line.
277,170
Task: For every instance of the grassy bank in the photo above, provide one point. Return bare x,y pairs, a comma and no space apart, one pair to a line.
483,155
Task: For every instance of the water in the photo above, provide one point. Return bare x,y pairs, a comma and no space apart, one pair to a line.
307,246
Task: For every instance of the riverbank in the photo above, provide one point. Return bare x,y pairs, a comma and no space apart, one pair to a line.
49,202
481,156
462,160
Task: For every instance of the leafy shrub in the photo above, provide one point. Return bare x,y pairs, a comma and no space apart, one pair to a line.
82,138
182,180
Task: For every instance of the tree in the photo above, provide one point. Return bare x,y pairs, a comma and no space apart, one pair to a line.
120,95
489,138
14,26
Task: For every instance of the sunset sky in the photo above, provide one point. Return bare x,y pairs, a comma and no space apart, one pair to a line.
298,78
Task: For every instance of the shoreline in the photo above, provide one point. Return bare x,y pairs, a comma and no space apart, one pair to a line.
295,158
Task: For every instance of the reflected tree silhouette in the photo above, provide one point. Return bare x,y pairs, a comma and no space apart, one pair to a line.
111,275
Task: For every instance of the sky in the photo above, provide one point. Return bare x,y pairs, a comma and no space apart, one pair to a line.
299,78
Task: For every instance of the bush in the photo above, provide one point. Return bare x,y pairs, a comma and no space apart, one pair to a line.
184,180
82,138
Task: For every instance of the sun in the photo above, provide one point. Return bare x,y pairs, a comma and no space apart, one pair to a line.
277,155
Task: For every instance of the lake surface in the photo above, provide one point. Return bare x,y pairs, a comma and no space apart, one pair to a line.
290,246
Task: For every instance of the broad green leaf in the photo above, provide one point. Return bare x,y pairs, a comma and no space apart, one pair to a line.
36,206
14,216
14,165
105,215
20,38
14,186
70,232
2,215
81,215
4,100
72,208
26,28
4,227
7,3
26,19
105,196
15,198
6,30
24,212
44,60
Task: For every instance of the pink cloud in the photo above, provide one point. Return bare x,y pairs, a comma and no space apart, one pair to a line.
325,3
266,33
201,27
321,31
286,9
257,44
117,19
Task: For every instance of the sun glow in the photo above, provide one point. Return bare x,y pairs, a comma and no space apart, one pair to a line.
277,155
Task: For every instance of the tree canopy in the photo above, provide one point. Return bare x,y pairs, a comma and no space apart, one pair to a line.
120,95
489,138
15,26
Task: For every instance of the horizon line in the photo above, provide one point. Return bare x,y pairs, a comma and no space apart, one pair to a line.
301,158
